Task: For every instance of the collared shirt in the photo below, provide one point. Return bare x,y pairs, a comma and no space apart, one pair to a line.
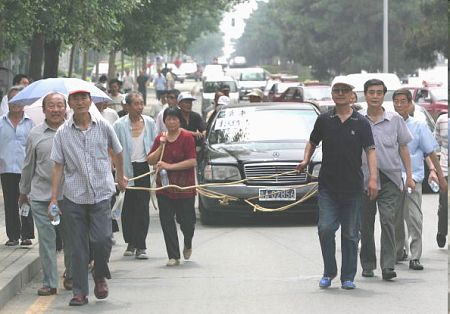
441,134
422,144
389,133
342,145
160,126
159,82
122,127
36,179
13,142
84,154
110,115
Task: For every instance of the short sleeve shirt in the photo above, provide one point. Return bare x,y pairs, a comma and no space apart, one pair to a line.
342,145
195,123
183,148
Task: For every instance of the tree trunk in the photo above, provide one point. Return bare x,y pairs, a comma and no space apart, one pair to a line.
112,65
51,58
84,67
36,56
72,52
122,63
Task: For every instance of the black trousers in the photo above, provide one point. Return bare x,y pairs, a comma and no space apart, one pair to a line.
443,212
16,226
184,211
135,213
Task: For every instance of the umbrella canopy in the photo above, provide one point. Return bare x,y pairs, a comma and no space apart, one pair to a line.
63,85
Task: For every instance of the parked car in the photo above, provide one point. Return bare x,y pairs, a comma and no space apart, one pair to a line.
433,98
240,145
317,94
213,84
213,70
274,89
251,78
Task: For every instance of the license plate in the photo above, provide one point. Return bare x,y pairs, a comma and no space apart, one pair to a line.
277,194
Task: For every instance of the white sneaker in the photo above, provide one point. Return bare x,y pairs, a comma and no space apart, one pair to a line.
173,262
187,253
141,254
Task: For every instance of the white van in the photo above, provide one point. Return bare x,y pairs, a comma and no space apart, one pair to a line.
212,70
213,84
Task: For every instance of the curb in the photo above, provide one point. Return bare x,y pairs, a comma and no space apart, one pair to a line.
17,275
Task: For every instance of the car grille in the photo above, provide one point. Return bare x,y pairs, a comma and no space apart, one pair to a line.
267,169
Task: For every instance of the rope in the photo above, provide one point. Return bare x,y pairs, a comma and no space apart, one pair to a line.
224,199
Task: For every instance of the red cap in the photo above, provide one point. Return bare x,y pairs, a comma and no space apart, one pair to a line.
79,91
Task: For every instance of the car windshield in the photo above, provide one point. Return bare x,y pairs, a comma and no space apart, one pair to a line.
212,87
317,93
237,125
252,76
439,94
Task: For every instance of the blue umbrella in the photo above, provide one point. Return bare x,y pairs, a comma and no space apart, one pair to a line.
63,85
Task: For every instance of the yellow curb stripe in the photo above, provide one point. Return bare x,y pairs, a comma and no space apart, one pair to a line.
41,304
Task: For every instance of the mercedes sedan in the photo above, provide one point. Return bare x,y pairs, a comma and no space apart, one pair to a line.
249,158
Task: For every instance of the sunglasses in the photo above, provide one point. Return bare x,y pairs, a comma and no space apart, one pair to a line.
341,90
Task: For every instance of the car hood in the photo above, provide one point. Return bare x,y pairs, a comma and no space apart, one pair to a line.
259,152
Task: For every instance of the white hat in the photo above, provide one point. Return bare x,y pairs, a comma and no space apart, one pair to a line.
223,100
256,92
342,81
185,96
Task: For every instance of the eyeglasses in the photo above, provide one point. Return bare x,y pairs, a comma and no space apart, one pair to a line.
373,92
341,90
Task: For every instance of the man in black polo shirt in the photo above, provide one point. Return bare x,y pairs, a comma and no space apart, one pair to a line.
344,133
192,121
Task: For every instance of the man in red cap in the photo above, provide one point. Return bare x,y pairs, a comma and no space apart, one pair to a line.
80,150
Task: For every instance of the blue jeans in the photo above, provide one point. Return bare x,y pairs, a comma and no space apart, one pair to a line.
344,210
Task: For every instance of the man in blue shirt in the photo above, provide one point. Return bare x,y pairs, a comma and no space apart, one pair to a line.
14,129
422,144
160,84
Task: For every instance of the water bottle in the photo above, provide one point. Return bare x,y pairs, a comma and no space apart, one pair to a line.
434,186
164,177
24,210
54,211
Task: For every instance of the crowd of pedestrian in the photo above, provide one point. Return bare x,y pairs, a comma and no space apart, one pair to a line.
68,172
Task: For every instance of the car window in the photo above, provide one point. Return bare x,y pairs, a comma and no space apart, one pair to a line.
319,93
212,87
235,125
252,76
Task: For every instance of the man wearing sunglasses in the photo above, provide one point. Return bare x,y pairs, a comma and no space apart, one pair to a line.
344,134
391,137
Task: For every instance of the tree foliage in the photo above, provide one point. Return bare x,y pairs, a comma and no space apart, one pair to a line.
206,47
338,37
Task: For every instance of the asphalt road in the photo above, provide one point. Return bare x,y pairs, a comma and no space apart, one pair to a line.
250,266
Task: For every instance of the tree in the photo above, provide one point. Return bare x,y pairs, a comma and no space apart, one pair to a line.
206,47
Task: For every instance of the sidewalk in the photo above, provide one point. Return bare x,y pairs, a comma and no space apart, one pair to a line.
18,266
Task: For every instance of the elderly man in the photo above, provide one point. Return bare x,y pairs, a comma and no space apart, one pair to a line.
391,137
15,126
345,134
80,150
136,133
35,185
422,145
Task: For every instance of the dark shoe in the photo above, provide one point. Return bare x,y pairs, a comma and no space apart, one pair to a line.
348,285
367,273
26,242
68,283
415,265
46,291
101,288
440,239
78,300
12,242
129,251
187,253
388,274
404,256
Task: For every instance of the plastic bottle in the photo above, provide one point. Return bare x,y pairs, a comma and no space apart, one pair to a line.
164,177
24,209
54,211
434,186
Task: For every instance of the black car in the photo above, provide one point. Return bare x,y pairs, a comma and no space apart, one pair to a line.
255,140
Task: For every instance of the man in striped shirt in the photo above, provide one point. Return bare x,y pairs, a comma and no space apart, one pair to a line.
80,150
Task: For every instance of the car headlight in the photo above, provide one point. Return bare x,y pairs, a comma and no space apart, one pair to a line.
221,173
316,170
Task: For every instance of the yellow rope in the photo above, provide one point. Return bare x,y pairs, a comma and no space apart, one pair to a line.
224,199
